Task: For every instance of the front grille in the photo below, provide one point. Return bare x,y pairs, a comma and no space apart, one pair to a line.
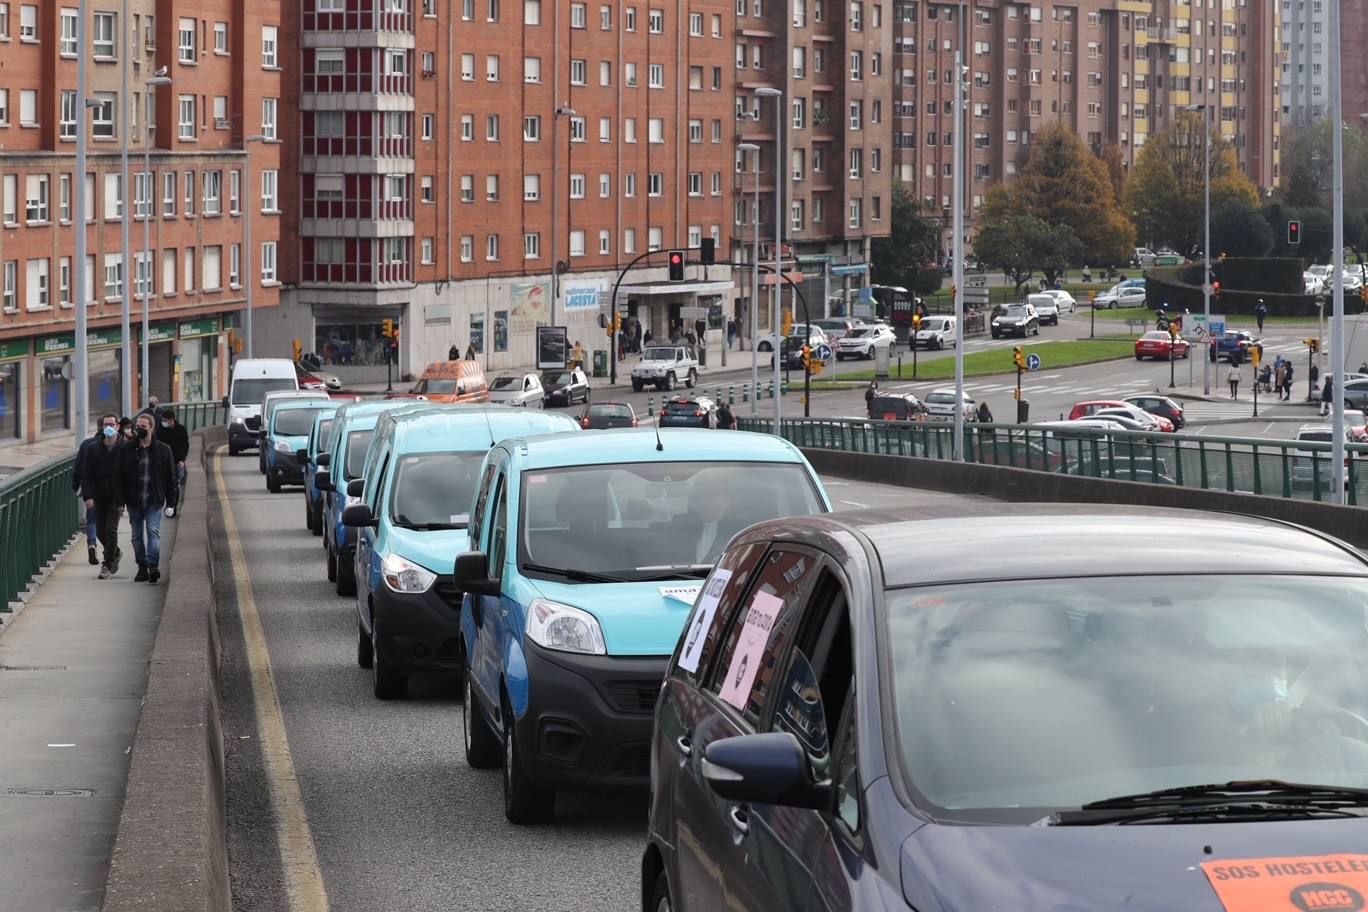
632,696
446,590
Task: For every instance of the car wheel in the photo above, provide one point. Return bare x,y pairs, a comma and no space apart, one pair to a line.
363,647
346,576
482,748
637,386
261,461
670,380
938,344
316,520
1139,357
233,451
840,357
524,802
996,334
587,393
764,347
660,895
308,514
273,484
332,566
692,380
869,355
386,683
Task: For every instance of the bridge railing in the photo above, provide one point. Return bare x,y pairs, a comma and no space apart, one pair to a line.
39,513
1278,468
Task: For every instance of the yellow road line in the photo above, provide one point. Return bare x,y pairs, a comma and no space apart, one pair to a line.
303,879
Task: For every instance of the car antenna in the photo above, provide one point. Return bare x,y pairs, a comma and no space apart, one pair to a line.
655,423
489,426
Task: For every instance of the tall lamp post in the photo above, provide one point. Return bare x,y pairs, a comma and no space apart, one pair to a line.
778,96
158,79
125,292
564,111
1206,237
248,278
82,366
754,151
1336,107
957,250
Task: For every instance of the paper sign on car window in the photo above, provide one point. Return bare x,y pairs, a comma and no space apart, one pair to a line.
702,620
750,649
685,594
1332,883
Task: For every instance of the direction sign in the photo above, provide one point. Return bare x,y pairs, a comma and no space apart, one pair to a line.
975,295
976,281
824,352
1033,362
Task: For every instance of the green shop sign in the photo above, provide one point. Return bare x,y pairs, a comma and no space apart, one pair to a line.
195,328
10,349
161,332
66,342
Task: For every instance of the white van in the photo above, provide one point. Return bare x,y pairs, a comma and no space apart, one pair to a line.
1047,308
253,378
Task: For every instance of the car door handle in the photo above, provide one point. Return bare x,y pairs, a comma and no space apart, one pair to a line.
684,744
740,820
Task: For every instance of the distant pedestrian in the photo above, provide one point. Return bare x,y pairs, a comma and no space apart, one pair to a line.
174,435
1315,376
147,475
152,408
91,537
726,421
577,353
870,392
1327,394
1287,380
646,338
470,352
731,332
1278,376
454,353
1363,367
984,415
1260,313
1234,378
101,491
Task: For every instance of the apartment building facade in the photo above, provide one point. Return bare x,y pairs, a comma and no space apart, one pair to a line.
472,170
1307,55
1115,72
220,60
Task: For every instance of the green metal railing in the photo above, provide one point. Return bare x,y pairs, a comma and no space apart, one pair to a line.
39,513
1278,468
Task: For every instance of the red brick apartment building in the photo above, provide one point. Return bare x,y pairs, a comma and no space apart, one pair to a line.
224,60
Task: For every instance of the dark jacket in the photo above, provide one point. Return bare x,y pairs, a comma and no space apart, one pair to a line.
77,471
178,439
100,473
163,472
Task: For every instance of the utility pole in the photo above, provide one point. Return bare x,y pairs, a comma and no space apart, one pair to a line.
957,249
1337,475
82,366
754,151
777,298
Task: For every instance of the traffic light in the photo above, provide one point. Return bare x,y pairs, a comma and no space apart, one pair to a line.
1216,289
1294,232
1255,355
788,322
954,293
807,358
916,321
298,349
707,251
389,329
1313,344
1092,297
1019,358
1173,331
676,265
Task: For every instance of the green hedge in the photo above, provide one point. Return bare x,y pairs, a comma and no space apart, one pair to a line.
1243,282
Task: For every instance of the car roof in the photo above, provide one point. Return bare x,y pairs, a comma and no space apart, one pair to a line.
292,404
449,429
639,445
1042,541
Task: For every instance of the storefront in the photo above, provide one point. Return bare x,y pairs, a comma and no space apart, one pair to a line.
104,363
160,361
54,394
13,353
198,359
342,340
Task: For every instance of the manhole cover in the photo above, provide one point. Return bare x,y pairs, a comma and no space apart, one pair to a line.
49,793
33,668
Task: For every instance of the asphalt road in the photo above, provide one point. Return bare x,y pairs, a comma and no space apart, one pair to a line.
398,820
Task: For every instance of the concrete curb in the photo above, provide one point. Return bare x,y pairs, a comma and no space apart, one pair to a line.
171,853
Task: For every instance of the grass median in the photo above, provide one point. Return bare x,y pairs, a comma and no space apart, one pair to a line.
1231,320
1053,355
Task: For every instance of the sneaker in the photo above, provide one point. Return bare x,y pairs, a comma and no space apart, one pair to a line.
105,573
90,555
153,574
142,574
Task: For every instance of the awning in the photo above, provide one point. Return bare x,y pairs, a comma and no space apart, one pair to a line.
672,288
852,269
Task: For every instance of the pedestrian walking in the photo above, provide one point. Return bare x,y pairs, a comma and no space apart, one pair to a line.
577,353
1315,377
1287,380
101,492
726,421
1260,312
470,352
152,408
870,392
454,353
91,537
1363,367
983,414
147,476
174,435
1234,378
1327,394
646,338
731,332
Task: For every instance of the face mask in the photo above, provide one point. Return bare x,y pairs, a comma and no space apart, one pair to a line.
166,424
140,433
109,431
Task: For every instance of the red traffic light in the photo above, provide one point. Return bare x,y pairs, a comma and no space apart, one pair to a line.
676,265
1294,232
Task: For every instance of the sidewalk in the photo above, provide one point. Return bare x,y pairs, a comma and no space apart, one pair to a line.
73,672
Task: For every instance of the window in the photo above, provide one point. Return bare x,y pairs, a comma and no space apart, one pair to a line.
492,247
655,238
213,192
492,128
629,240
64,197
186,46
655,184
427,251
856,16
605,72
695,183
716,26
856,164
64,281
492,187
468,67
189,193
269,180
629,19
605,242
492,10
220,38
492,68
629,184
467,128
577,129
11,281
235,266
268,261
532,12
799,62
856,115
579,72
532,129
531,246
102,115
28,107
427,192
532,69
68,40
38,282
577,186
102,36
211,277
856,213
467,248
531,187
605,129
113,266
186,120
113,196
856,66
695,131
268,117
577,15
799,113
655,130
629,133
577,243
656,76
606,18
467,188
605,186
655,21
168,194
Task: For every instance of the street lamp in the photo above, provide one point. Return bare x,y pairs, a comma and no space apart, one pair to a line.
159,78
1336,107
82,371
778,96
754,150
957,251
248,278
1206,239
564,111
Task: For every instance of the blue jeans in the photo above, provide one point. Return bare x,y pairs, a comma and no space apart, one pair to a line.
91,534
146,553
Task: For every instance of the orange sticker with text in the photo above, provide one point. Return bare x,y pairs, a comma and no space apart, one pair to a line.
1309,883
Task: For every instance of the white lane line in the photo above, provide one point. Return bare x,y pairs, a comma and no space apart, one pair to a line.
853,503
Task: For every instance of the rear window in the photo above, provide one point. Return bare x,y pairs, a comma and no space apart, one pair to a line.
941,398
1315,435
252,391
436,387
612,410
682,408
884,405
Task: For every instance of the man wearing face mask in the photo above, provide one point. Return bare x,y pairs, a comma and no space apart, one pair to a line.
147,471
101,490
173,434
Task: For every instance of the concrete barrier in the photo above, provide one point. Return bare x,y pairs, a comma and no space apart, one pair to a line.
171,853
1006,483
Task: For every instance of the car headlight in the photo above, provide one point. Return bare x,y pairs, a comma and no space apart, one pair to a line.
556,626
283,446
406,576
236,421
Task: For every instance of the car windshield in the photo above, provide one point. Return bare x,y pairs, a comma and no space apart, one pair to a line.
682,408
610,410
932,325
1019,696
324,430
941,398
858,333
252,391
295,422
660,354
436,386
357,442
651,520
435,490
507,383
1156,336
1016,311
564,379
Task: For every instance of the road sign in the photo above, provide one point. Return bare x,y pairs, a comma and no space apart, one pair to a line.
976,295
824,352
976,281
1216,327
1320,300
1033,362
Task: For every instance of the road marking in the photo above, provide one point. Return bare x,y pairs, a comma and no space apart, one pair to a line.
855,503
298,858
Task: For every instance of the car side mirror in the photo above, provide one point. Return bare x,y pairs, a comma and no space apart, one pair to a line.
322,480
355,487
302,455
471,574
358,516
768,768
323,460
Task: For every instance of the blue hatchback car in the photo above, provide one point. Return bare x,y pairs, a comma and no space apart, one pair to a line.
308,457
1017,707
587,553
420,480
288,433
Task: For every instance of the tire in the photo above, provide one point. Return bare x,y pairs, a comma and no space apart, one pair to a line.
346,576
670,381
938,344
692,379
261,461
332,566
308,514
386,683
840,357
273,484
1139,357
764,347
637,386
316,520
996,335
483,749
660,895
869,355
524,802
234,451
587,394
363,647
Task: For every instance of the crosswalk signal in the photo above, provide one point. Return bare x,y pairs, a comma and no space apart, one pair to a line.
916,321
1019,358
1215,289
676,265
1294,232
389,329
707,251
1173,331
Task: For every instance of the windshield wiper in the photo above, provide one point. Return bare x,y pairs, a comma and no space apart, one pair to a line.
574,576
674,571
1256,798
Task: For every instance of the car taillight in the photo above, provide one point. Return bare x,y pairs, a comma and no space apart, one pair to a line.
889,416
664,413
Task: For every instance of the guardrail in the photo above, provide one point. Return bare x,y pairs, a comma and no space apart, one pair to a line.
39,514
1297,469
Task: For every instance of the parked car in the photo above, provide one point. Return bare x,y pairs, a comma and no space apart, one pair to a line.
1130,293
700,411
896,407
1355,394
1160,345
314,380
1312,284
864,341
604,415
1148,420
318,438
1070,711
1232,345
565,387
286,434
1066,301
1093,407
411,518
1120,467
252,379
816,337
269,403
447,382
836,327
1311,467
1046,307
940,404
1162,406
516,389
1016,320
582,566
664,367
935,333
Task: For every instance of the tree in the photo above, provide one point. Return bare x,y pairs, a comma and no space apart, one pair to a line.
1116,170
1306,156
1240,230
1165,192
1019,244
913,243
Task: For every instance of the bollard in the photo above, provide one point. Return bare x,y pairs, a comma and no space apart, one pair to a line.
650,405
784,388
745,392
731,394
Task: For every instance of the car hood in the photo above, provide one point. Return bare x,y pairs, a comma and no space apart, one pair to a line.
504,395
435,549
638,619
1142,868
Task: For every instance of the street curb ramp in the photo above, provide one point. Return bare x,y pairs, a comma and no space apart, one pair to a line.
171,852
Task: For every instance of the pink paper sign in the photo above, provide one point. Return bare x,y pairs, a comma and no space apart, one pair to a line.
750,648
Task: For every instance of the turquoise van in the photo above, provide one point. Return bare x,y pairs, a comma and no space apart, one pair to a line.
419,484
586,556
308,456
288,432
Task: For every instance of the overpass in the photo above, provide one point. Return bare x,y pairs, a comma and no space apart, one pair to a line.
252,736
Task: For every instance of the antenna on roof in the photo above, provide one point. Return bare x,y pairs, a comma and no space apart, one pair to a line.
489,426
655,423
